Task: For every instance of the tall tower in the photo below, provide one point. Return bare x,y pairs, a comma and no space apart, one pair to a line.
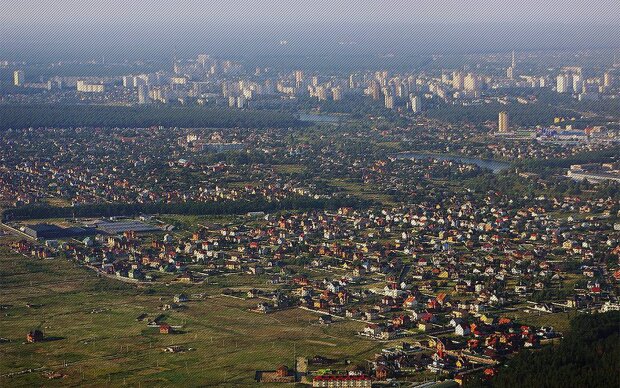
503,124
175,62
299,78
142,94
577,83
511,70
607,79
18,78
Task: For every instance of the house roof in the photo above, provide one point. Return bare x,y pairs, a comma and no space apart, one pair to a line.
341,378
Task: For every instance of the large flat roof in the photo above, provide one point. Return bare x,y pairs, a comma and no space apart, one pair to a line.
116,227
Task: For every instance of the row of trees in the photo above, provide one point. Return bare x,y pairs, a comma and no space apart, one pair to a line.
192,208
61,115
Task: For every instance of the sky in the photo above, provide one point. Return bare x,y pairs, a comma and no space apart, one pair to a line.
266,12
142,28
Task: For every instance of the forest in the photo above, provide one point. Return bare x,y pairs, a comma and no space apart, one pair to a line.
61,115
588,356
520,114
607,155
193,208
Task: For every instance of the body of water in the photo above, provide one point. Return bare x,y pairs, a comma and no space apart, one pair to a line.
493,165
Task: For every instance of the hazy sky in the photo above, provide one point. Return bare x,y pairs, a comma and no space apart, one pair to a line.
147,28
309,11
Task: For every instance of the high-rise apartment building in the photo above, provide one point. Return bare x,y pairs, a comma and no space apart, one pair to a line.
503,123
457,80
299,78
561,83
416,104
18,78
471,83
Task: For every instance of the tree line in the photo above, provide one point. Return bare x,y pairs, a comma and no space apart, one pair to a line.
17,116
187,208
520,114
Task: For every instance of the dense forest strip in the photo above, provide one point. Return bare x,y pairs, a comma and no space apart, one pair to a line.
72,115
520,114
608,155
589,356
542,112
187,208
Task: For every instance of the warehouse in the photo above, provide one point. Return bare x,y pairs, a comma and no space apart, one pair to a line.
50,231
119,227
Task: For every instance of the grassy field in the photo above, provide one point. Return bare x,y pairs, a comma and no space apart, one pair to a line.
96,340
560,321
362,191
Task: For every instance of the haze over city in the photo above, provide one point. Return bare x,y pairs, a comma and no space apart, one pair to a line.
64,29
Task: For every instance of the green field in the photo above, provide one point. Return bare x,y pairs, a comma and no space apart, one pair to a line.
96,339
361,190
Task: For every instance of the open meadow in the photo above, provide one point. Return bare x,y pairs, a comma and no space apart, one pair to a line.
93,336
